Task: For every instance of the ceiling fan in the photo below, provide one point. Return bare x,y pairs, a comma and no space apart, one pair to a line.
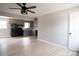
24,9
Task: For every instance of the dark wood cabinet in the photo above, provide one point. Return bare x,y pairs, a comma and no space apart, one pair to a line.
16,31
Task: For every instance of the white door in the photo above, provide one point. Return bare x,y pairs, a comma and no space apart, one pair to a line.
74,31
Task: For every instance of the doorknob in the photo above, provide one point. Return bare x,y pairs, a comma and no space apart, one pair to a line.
69,33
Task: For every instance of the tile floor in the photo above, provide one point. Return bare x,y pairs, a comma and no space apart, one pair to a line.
30,46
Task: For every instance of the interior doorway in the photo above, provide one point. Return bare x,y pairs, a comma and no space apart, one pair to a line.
74,31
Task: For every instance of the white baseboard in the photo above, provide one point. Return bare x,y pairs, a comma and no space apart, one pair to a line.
45,41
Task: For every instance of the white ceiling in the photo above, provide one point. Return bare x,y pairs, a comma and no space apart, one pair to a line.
42,8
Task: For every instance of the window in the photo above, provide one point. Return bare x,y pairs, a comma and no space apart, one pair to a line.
26,25
3,24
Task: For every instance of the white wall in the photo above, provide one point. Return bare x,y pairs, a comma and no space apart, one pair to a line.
5,32
54,27
35,25
17,21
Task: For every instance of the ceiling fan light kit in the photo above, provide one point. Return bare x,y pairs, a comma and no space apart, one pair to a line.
24,9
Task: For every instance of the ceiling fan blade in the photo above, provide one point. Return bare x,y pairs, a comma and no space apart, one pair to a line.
31,7
14,8
19,4
30,11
